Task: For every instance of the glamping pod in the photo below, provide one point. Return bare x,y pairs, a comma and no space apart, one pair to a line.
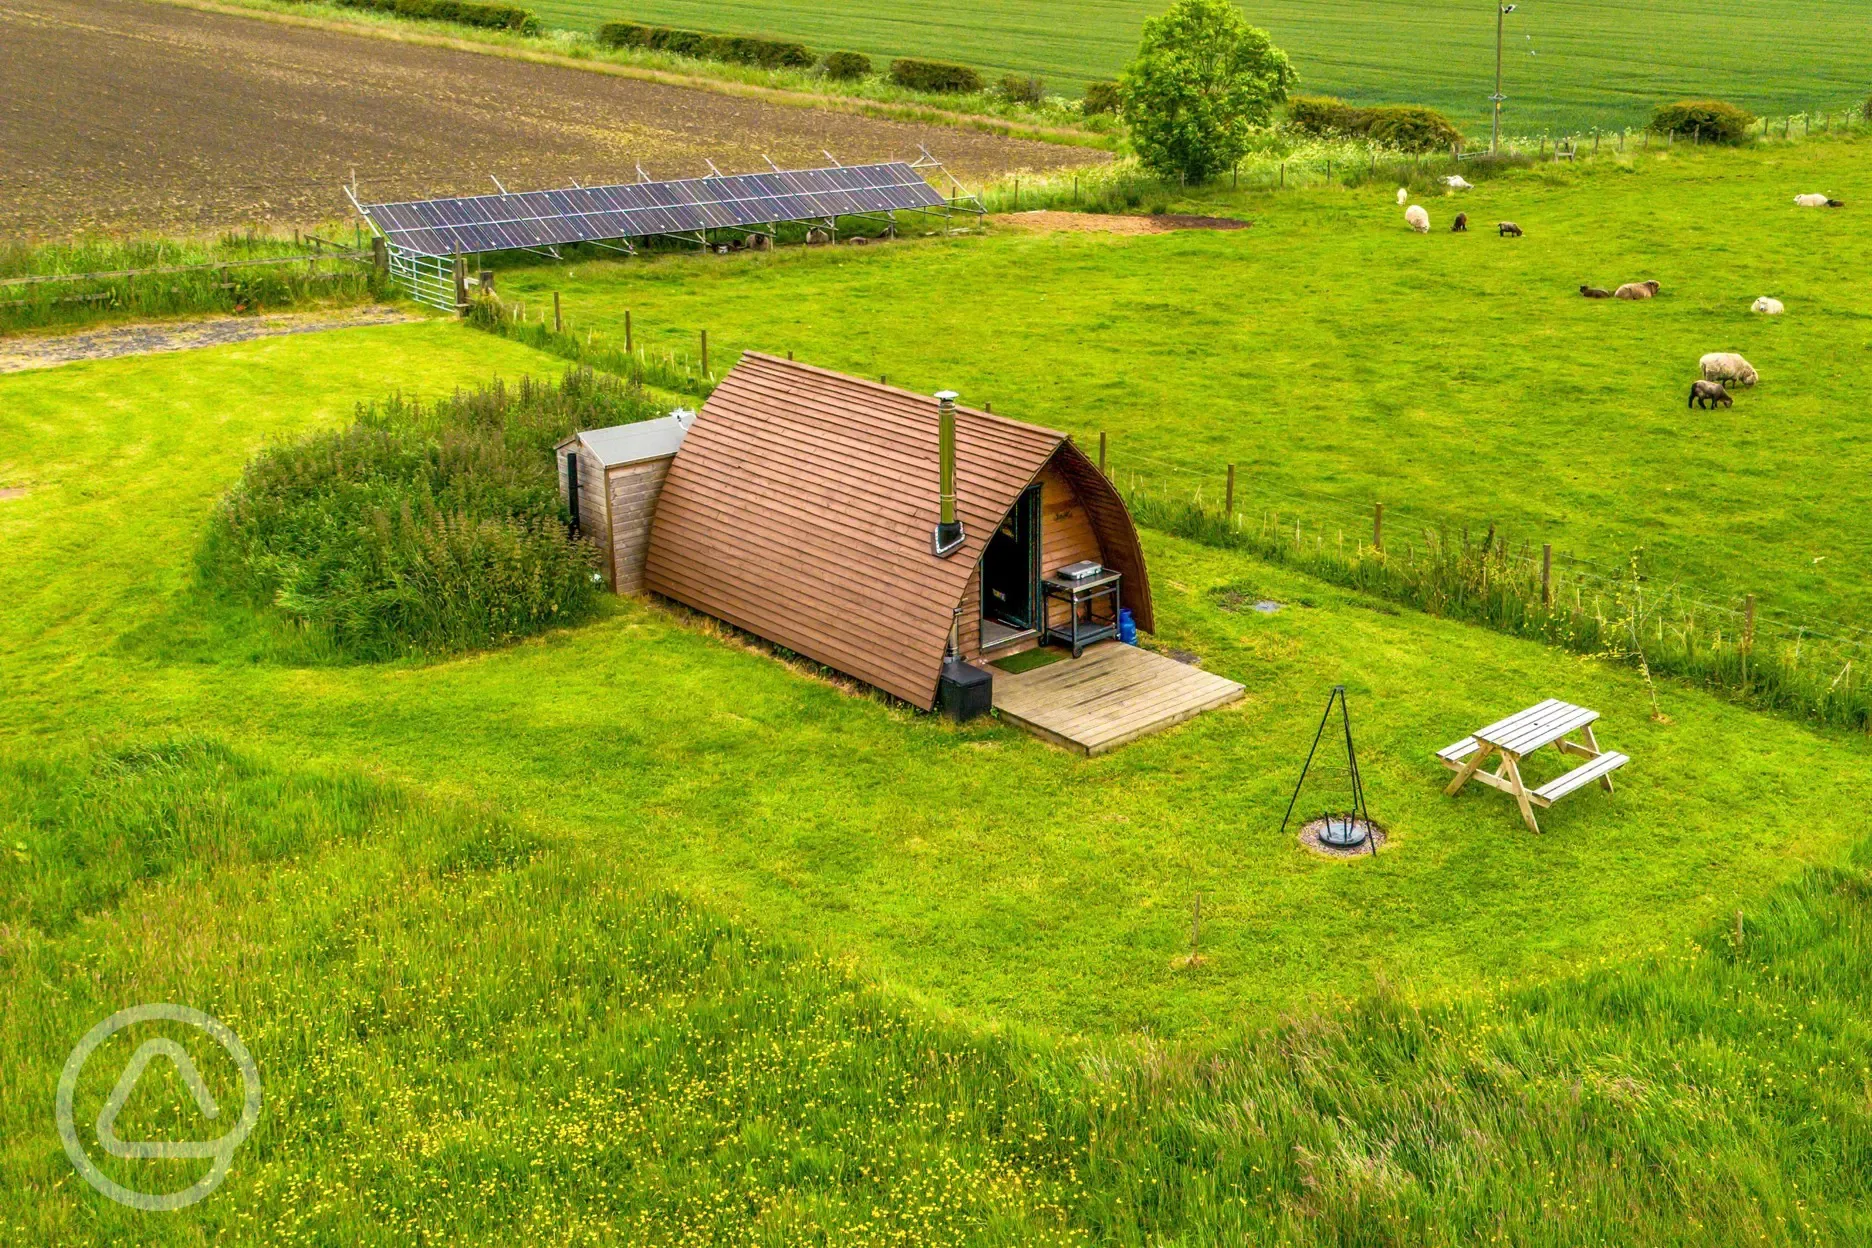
809,508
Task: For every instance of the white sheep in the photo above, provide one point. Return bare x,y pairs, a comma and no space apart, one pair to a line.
1456,182
1418,218
1768,307
1403,196
1728,368
1811,201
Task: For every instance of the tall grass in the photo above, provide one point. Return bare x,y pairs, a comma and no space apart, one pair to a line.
666,370
189,276
474,1033
421,528
1622,614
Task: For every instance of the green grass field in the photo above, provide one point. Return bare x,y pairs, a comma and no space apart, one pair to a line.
635,933
1339,359
1569,64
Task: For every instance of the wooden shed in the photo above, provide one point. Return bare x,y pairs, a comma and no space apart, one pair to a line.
610,480
802,504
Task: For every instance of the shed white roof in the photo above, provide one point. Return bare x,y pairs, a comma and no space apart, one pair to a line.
634,443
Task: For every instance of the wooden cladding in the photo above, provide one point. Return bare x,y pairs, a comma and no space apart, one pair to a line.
801,505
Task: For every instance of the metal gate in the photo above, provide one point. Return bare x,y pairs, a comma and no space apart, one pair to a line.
423,277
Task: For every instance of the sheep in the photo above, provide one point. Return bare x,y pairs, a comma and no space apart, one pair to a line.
1418,218
1728,368
1768,307
1508,229
1461,224
1595,292
1811,201
1637,290
1456,182
1707,394
1403,196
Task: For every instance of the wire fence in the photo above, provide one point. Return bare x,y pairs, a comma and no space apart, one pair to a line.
1622,611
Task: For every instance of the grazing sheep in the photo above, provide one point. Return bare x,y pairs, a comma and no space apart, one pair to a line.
1707,394
1637,290
1461,224
1456,182
1728,368
1418,218
1403,196
1768,307
1811,201
1508,229
1595,292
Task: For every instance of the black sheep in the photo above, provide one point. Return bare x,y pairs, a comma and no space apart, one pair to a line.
1509,229
1708,394
1595,292
1461,224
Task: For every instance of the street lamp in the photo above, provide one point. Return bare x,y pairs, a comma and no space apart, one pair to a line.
1501,12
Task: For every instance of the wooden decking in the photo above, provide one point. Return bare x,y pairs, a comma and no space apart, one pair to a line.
1109,695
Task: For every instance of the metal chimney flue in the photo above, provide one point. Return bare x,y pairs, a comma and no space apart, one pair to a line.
948,535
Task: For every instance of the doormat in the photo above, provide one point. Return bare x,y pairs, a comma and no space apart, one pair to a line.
1028,660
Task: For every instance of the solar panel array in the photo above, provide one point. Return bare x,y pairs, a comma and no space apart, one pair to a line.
449,227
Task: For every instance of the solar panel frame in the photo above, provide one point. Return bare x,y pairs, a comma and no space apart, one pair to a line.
540,219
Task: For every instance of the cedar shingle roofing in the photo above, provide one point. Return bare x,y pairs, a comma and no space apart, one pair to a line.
800,509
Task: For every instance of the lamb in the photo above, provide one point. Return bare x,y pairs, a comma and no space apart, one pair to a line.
1403,196
1812,201
1456,182
1508,229
1728,368
1707,394
1595,292
1768,307
1418,218
1461,224
1637,290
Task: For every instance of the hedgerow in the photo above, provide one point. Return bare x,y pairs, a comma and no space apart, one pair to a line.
467,12
421,529
1405,127
735,49
937,76
1708,121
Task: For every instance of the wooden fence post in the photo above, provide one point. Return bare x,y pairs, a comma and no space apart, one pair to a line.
705,353
1283,169
380,254
1748,624
461,283
1228,495
1377,527
1546,574
627,332
558,315
1102,452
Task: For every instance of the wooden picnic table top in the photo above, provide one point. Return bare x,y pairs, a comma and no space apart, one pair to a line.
1541,724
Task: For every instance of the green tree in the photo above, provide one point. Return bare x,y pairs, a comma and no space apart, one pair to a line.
1202,79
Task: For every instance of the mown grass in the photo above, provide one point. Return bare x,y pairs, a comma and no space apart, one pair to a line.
1339,359
469,1030
942,857
1569,66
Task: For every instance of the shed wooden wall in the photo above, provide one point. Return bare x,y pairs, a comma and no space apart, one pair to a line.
634,489
592,518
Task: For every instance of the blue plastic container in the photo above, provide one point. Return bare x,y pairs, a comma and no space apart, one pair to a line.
1127,627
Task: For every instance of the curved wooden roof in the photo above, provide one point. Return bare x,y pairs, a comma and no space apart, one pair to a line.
800,509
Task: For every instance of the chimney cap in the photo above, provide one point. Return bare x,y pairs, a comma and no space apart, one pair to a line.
947,396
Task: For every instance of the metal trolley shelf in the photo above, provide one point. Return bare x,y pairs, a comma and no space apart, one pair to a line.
1086,623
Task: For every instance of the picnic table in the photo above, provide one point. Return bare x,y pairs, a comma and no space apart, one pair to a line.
1550,722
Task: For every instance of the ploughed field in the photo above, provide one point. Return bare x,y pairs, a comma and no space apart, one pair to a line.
1568,65
212,120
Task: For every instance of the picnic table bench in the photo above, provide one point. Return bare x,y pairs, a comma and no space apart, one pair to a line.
1549,722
